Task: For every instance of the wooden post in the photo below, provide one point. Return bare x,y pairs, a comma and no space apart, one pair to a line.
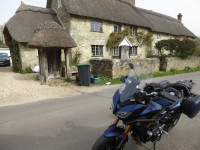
46,74
43,65
67,63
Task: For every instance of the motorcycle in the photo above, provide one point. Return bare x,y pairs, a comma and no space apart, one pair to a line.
147,110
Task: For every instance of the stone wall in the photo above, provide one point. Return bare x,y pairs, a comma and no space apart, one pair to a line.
117,68
1,34
180,64
29,56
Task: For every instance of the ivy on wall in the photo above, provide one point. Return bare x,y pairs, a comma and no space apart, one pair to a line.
141,39
15,54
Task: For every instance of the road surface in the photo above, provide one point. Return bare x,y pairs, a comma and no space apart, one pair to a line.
75,123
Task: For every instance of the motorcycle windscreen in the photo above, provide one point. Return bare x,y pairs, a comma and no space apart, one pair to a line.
128,90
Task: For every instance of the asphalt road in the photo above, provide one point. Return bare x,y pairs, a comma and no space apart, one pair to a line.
75,123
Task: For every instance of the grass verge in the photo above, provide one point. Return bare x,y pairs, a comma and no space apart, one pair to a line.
105,79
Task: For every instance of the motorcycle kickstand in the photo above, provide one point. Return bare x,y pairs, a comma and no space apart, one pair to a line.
154,145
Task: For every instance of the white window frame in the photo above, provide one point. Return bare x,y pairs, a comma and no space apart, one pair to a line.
133,30
117,28
97,50
133,51
159,36
116,51
59,3
96,26
182,38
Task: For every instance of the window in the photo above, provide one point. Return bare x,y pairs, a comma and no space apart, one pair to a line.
116,51
159,36
97,50
157,51
134,30
170,37
59,3
96,26
133,51
181,38
117,28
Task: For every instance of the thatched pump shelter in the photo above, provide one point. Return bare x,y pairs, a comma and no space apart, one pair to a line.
50,38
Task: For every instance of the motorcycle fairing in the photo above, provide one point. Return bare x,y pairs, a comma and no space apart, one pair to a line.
176,106
114,131
132,108
162,102
115,100
153,106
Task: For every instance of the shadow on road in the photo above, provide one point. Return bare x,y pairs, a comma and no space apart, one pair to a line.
68,138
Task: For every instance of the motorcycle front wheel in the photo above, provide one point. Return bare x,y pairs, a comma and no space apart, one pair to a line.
104,143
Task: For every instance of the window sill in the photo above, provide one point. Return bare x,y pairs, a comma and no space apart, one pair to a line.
97,31
98,56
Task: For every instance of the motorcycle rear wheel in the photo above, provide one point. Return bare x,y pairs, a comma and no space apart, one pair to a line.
104,143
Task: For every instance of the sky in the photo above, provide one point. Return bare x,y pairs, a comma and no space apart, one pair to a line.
190,9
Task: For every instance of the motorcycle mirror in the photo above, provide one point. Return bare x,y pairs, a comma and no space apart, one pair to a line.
131,65
123,79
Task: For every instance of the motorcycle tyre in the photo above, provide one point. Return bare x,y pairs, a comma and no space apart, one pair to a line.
104,143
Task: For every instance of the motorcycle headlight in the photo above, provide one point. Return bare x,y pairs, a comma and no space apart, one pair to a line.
123,115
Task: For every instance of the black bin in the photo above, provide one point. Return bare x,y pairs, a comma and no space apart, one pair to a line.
84,75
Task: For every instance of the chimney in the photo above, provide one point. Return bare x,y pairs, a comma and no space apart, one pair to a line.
133,2
180,17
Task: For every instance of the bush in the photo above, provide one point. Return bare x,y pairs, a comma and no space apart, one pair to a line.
76,57
178,48
27,70
188,68
186,48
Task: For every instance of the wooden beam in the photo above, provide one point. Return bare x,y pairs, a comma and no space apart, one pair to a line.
67,63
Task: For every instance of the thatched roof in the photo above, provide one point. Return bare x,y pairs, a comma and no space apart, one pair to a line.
123,11
165,24
120,11
51,34
22,25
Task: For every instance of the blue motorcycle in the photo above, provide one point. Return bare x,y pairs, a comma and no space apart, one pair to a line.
147,112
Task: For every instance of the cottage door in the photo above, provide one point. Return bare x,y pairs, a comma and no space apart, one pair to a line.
124,52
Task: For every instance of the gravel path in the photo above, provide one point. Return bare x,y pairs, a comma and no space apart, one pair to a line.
18,88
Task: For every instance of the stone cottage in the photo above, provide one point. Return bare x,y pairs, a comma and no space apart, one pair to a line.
89,23
35,35
1,34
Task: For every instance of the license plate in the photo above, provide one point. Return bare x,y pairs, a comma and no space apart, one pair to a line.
1,62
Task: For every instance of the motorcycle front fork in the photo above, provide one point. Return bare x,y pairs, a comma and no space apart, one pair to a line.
123,141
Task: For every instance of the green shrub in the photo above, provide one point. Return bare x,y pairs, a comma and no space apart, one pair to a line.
27,70
188,68
67,80
173,70
181,49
